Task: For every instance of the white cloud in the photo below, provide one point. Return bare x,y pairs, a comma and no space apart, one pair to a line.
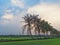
7,19
49,12
19,3
8,11
11,19
8,16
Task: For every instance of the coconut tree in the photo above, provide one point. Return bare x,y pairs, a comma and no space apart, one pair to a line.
42,25
27,19
36,24
55,31
45,26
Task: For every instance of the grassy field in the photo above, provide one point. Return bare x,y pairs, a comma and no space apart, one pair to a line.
34,42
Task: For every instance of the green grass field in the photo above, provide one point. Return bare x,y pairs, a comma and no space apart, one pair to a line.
34,42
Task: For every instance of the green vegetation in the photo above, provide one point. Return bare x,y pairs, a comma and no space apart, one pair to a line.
34,42
9,39
22,38
25,38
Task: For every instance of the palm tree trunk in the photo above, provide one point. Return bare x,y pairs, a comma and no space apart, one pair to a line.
46,32
35,32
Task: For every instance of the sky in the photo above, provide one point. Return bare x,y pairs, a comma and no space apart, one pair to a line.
12,11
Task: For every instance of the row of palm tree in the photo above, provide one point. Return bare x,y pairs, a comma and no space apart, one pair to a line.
32,22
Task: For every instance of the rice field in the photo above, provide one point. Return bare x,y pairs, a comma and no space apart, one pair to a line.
21,38
28,40
55,41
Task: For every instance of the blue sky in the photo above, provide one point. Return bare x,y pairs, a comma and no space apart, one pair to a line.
8,5
11,12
